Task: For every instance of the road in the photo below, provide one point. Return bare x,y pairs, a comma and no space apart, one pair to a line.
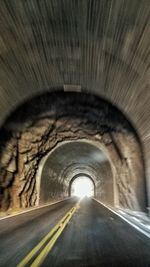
19,234
94,237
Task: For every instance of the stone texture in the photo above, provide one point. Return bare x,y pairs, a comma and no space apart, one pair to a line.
40,125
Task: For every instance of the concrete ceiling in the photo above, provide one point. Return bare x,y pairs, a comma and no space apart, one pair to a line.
79,153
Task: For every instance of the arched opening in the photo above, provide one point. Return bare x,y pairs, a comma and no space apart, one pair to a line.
71,160
82,185
36,128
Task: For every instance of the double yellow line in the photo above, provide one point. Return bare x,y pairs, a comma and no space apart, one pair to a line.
52,236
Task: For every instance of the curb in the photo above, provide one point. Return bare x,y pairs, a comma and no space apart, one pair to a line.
126,220
34,208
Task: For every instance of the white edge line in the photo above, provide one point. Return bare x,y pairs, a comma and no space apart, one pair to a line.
32,209
133,225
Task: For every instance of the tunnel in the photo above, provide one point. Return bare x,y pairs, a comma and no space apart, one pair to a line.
72,160
37,164
74,108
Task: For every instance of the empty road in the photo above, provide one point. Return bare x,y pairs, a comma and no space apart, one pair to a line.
93,237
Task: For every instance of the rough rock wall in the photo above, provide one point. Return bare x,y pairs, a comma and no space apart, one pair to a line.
38,126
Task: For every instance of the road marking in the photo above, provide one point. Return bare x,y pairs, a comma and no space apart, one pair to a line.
38,261
53,236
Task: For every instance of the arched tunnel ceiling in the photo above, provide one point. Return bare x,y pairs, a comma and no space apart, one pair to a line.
79,154
100,47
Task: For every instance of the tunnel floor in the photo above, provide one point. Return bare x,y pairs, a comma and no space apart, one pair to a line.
93,237
97,237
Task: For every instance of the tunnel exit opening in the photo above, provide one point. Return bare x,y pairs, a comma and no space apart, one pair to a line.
82,185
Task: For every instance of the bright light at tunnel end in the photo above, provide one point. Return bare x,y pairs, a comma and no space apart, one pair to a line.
82,187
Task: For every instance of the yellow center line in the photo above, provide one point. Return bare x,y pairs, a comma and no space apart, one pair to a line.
59,225
38,261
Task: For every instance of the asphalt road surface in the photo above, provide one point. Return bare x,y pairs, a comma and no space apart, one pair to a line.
94,237
19,234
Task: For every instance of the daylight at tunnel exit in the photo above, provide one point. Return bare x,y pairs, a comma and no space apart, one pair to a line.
75,133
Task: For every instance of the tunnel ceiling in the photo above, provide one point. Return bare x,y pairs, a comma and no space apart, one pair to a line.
78,153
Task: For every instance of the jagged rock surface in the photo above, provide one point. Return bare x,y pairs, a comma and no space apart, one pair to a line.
40,125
